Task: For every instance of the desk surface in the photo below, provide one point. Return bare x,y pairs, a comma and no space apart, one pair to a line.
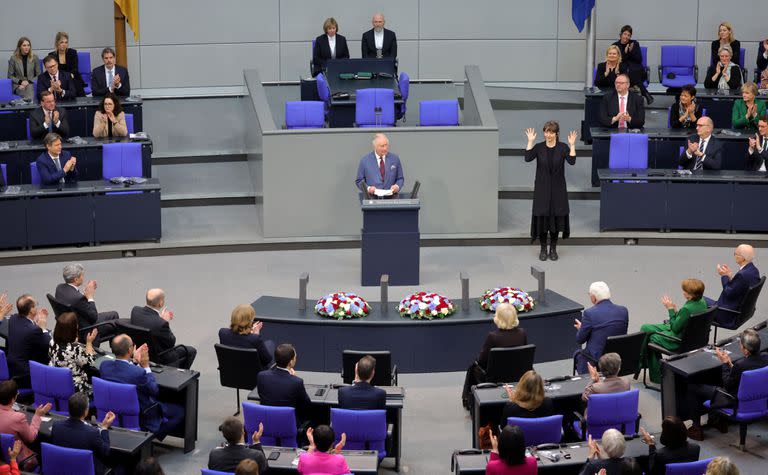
732,94
741,176
664,133
704,359
359,461
78,102
328,394
572,387
166,377
27,145
78,188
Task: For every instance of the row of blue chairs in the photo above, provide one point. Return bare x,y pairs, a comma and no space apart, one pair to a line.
311,114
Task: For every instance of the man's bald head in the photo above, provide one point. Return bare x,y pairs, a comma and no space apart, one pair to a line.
746,252
377,21
156,298
121,346
708,121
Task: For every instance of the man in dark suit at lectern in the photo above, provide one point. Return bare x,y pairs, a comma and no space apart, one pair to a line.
380,169
378,42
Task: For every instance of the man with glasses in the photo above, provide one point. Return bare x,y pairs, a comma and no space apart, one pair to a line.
704,151
622,108
735,284
758,147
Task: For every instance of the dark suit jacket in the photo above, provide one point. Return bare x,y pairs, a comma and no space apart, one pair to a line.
607,82
734,82
609,107
49,175
762,63
674,117
225,459
148,318
736,288
713,154
388,48
362,395
501,339
37,123
76,434
72,67
85,310
278,387
322,52
99,86
611,466
756,159
67,85
659,458
715,47
250,340
604,319
26,342
732,376
547,408
146,387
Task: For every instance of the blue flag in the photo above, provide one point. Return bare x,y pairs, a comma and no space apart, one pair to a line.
581,9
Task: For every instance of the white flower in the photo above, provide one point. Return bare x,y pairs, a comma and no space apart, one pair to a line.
422,305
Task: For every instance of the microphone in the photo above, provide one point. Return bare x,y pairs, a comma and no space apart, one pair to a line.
377,111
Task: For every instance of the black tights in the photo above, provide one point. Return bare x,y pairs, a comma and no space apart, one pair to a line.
552,240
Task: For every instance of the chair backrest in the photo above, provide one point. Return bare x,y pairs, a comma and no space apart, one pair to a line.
205,471
366,430
742,59
443,112
753,394
612,411
121,159
404,86
539,430
322,88
304,114
29,131
679,59
129,123
746,308
52,385
382,376
6,442
628,151
119,398
688,468
139,335
34,174
695,335
628,347
644,53
375,107
4,373
5,173
57,307
232,360
279,423
84,66
64,461
6,90
506,365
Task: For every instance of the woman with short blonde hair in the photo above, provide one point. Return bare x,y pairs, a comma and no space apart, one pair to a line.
606,73
747,111
506,317
329,45
245,332
725,38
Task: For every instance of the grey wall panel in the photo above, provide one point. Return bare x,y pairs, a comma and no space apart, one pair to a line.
134,65
294,60
489,19
303,19
650,19
180,66
498,60
742,15
566,30
173,22
571,55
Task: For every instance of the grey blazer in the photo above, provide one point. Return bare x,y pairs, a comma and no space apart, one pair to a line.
16,69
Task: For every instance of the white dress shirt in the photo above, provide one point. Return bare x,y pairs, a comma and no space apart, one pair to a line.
378,39
332,45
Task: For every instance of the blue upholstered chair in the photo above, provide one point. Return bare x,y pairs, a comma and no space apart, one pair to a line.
610,411
34,174
29,131
680,62
6,442
751,401
205,471
6,90
279,423
375,107
366,430
304,115
5,373
404,86
4,170
53,385
688,468
63,461
129,123
84,68
644,52
121,159
443,112
323,91
628,151
539,430
119,398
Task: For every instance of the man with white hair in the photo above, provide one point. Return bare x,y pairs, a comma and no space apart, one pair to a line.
82,301
735,285
379,42
604,319
379,169
609,457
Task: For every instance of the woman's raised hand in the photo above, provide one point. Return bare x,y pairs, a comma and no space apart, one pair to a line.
530,134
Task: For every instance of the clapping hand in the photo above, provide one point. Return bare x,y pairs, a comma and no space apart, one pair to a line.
256,328
494,444
55,116
340,446
693,147
5,306
593,372
510,391
753,141
256,437
667,302
166,314
109,418
723,356
116,81
646,436
718,68
629,47
42,318
577,324
91,336
43,409
13,452
594,449
723,270
311,439
572,135
90,288
68,168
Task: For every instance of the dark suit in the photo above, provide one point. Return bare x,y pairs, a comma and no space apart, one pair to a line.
322,52
37,124
756,159
611,466
50,175
368,170
735,289
161,420
609,107
713,154
71,67
495,339
604,319
67,86
26,342
99,86
388,47
278,387
77,434
659,458
362,395
225,459
249,340
87,314
180,356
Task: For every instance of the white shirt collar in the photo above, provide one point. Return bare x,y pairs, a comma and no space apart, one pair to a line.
284,369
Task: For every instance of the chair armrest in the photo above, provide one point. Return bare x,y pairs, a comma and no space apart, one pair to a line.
394,375
648,73
728,310
150,407
637,423
390,440
668,337
660,74
588,356
696,73
724,400
661,349
97,325
582,424
481,369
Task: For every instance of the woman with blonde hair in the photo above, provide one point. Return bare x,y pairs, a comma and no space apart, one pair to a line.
23,68
605,77
725,38
68,61
747,111
527,399
721,466
245,332
508,334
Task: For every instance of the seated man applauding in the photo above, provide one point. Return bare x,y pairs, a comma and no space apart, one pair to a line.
156,317
622,108
48,118
75,433
704,151
227,458
362,394
56,166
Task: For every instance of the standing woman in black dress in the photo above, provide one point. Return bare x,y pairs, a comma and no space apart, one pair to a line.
550,197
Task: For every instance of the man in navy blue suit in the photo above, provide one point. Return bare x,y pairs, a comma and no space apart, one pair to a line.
604,319
736,285
75,433
279,386
380,169
61,85
123,370
362,394
56,166
110,77
28,339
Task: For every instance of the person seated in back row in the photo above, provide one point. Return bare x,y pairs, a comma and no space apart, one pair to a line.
725,74
622,108
226,458
362,394
59,83
279,385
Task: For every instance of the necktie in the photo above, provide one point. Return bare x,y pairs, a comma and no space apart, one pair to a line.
50,121
622,109
381,168
110,78
700,160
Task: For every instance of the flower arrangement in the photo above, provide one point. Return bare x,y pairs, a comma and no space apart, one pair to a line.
511,295
341,305
425,306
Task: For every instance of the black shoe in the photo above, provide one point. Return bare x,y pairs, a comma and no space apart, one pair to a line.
553,254
543,255
648,98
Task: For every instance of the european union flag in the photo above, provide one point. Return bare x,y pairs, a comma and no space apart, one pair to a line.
581,9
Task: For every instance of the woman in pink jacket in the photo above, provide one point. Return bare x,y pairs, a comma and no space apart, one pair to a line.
320,458
15,423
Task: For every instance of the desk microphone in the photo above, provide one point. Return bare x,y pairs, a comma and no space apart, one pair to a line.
377,111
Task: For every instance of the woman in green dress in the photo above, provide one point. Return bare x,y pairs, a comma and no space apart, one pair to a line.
693,291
